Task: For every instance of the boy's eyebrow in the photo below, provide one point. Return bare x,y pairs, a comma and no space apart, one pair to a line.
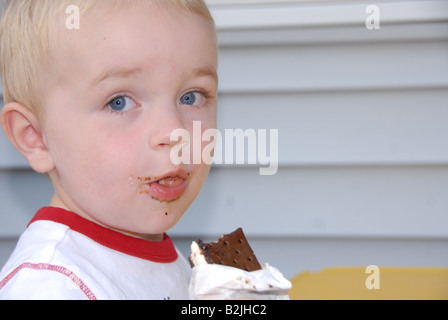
116,72
120,72
205,72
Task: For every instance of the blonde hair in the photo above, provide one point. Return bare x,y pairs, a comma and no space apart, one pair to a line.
27,32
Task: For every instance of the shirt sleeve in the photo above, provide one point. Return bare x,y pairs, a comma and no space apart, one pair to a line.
43,282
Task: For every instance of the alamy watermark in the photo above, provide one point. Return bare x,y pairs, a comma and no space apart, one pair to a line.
233,150
73,20
373,18
373,280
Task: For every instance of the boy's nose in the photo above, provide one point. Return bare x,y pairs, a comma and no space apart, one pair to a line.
163,122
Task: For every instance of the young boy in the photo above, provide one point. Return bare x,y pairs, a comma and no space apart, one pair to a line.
93,105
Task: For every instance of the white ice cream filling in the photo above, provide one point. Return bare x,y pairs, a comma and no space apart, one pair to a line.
197,257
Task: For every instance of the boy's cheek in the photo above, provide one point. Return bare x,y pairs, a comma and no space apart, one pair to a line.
200,174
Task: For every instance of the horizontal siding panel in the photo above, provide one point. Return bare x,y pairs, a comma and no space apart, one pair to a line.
316,201
335,35
328,15
22,193
334,67
357,128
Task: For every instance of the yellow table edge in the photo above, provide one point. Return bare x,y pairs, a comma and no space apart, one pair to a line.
371,283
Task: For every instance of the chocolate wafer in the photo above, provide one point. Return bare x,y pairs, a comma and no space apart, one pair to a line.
231,250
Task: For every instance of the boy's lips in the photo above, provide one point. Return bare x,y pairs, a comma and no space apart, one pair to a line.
169,187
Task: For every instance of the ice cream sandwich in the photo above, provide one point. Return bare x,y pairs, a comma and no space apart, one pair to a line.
231,250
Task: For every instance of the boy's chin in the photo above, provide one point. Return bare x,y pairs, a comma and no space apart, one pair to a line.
155,228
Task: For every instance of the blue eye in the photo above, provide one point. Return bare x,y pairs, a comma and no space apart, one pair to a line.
192,99
188,98
121,103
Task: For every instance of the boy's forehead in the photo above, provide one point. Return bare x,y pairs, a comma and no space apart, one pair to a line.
155,18
122,42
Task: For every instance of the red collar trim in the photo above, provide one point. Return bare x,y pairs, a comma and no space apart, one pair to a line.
156,251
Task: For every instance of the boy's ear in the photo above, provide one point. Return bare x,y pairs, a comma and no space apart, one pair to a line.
22,128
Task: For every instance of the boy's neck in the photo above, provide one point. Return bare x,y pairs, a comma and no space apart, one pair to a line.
57,202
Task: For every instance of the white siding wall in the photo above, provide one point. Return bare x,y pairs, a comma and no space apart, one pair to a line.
362,119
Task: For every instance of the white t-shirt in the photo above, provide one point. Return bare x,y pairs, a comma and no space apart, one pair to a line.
64,256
